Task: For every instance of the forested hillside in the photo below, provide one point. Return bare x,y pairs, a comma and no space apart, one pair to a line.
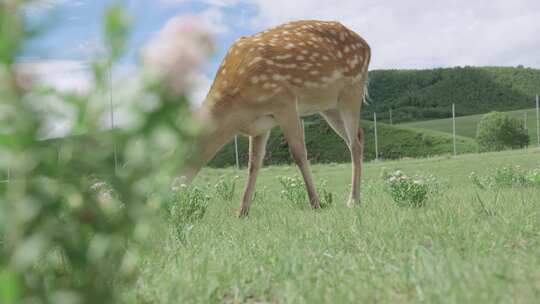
428,94
324,146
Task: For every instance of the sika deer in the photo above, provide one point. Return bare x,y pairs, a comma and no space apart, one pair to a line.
275,77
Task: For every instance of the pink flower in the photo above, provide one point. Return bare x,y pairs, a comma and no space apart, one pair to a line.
177,52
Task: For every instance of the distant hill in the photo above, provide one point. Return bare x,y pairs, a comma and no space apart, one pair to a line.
466,125
325,146
428,94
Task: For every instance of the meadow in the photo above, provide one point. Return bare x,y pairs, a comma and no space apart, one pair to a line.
466,125
94,218
466,245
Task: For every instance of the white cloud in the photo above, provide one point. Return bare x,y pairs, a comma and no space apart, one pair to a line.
200,88
215,20
63,75
213,16
424,33
210,2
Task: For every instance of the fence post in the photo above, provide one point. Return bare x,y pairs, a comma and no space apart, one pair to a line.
376,139
454,127
525,120
236,152
537,123
112,115
391,122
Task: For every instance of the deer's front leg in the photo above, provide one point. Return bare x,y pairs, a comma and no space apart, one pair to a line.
257,149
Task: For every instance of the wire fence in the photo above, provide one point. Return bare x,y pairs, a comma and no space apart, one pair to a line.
529,122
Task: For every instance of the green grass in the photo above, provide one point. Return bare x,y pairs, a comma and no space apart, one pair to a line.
466,125
451,251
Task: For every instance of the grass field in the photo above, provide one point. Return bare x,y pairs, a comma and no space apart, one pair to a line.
466,245
466,125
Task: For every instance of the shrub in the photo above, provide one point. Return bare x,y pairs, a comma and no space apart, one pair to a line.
225,188
187,206
294,191
410,191
498,131
506,177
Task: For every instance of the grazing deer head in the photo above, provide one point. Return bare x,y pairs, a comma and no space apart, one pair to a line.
275,77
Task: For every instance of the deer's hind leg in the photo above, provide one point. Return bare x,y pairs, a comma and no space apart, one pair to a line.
349,107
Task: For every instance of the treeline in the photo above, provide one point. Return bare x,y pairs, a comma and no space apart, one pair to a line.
324,146
428,94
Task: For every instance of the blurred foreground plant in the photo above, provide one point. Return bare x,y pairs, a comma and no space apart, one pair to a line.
67,214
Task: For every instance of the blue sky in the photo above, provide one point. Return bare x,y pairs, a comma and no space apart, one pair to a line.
402,34
76,28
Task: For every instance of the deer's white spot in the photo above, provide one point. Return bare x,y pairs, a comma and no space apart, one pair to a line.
262,98
277,77
283,57
255,60
289,46
311,84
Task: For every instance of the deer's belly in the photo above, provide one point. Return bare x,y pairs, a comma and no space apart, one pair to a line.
315,101
259,126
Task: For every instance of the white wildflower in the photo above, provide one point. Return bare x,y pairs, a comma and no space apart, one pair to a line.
178,51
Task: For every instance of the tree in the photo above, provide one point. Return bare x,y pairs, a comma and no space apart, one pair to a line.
497,131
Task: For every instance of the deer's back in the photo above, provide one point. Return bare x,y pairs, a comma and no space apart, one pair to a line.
298,56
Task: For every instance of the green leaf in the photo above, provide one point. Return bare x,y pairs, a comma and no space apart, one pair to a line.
10,288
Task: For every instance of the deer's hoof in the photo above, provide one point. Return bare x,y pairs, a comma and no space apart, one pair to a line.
353,203
243,213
